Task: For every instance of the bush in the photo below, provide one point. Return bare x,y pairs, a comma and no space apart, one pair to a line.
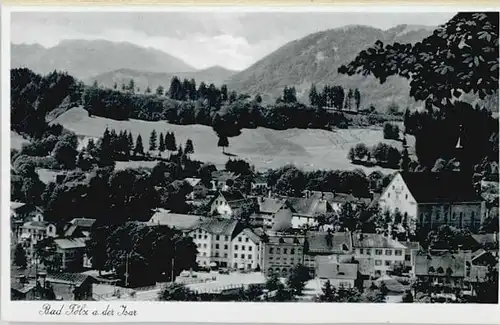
391,131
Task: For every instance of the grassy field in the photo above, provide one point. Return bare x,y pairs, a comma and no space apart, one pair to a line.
264,148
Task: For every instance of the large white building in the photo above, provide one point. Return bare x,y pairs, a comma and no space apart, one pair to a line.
228,204
429,199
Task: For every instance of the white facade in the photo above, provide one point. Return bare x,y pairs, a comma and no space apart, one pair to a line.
221,207
397,196
203,241
245,253
385,258
302,221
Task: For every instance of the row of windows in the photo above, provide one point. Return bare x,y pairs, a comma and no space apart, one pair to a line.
221,202
242,248
453,215
285,250
379,262
388,252
242,256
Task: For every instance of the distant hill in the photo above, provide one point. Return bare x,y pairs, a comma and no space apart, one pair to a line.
316,58
86,58
216,75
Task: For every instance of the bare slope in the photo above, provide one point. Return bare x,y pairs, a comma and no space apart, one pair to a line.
265,148
316,58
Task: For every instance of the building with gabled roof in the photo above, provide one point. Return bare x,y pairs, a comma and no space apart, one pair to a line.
228,203
273,213
79,227
329,243
245,251
71,252
306,210
184,222
386,252
430,199
339,274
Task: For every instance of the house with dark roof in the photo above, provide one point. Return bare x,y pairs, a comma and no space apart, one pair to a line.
72,286
221,180
79,227
386,252
339,274
200,191
228,203
273,213
71,252
443,268
328,243
245,251
306,210
431,199
213,237
259,185
22,289
488,242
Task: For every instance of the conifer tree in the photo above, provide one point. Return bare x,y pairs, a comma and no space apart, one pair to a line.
139,148
161,145
189,147
152,141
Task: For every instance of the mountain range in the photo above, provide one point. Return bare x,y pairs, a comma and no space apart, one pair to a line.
313,59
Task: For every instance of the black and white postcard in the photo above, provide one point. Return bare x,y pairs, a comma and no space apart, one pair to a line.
246,164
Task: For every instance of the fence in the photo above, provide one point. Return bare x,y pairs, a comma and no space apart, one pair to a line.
219,289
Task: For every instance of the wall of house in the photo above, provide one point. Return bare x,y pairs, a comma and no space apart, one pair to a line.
459,215
347,283
244,253
281,257
220,206
221,250
397,196
51,231
384,258
203,241
282,219
301,221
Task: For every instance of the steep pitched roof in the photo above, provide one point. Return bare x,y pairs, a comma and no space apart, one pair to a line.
36,225
375,241
271,205
251,235
486,240
232,195
76,279
320,242
67,243
222,175
309,206
441,264
192,181
163,217
16,205
440,187
219,226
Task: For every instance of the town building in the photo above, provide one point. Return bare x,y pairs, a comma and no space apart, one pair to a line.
280,252
245,251
20,213
326,243
386,252
34,231
222,180
79,227
429,200
442,268
72,286
228,204
328,268
274,213
22,289
260,186
199,191
306,210
213,238
71,253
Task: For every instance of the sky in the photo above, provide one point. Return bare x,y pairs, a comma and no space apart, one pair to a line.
233,40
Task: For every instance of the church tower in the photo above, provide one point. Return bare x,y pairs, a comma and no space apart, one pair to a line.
405,159
465,167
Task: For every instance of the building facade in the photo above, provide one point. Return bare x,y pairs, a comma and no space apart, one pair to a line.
386,252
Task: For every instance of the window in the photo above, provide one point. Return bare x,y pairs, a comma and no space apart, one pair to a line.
226,238
271,250
472,214
278,250
239,239
378,252
217,237
387,263
204,245
246,240
454,216
388,194
216,254
235,247
398,252
406,196
225,255
206,236
235,255
378,262
242,255
204,254
361,251
368,252
388,252
242,247
292,251
249,257
225,247
249,248
285,251
216,246
271,258
407,257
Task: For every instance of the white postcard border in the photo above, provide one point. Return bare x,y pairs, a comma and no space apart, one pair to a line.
218,311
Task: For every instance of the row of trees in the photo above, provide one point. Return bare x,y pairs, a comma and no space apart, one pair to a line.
381,154
336,97
141,254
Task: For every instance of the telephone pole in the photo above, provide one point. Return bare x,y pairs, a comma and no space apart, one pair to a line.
126,269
